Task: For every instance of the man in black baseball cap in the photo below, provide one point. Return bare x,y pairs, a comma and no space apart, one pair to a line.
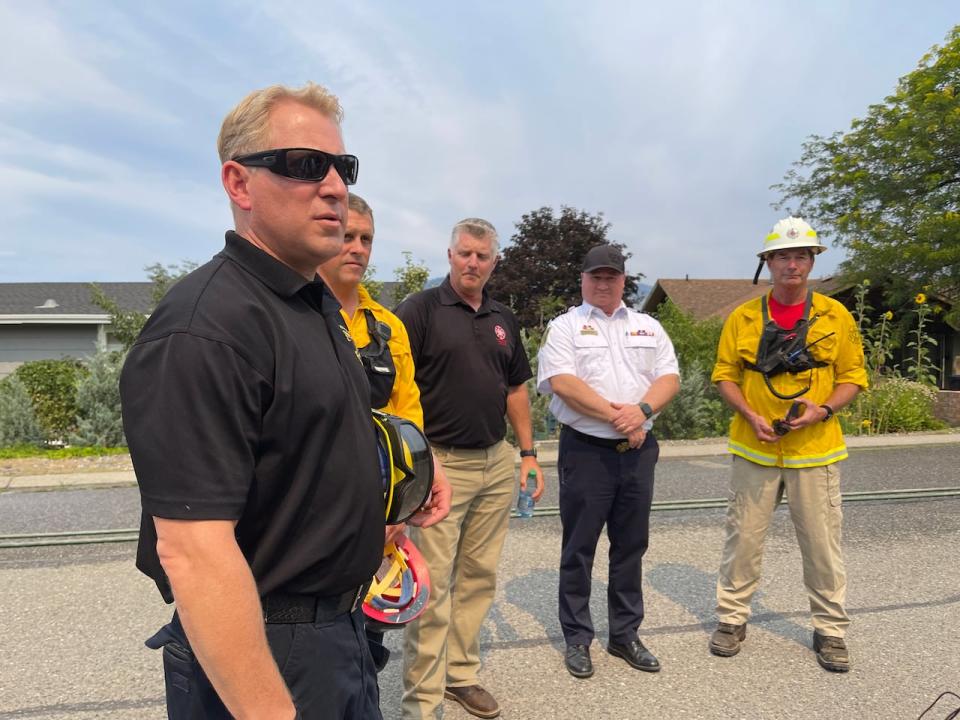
610,370
603,256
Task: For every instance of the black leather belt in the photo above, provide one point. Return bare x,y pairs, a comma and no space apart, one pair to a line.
283,608
621,446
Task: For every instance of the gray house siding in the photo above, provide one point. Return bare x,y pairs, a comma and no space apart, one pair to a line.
20,343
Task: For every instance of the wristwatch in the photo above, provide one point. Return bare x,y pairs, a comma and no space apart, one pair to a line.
829,412
646,409
532,452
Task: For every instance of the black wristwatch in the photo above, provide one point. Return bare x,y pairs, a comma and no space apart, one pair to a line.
532,452
829,412
646,409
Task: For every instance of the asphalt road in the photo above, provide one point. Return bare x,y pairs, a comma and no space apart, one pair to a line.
73,618
888,468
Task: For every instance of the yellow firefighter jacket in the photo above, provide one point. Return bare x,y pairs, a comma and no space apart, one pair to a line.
818,444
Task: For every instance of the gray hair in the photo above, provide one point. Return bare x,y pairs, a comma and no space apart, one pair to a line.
478,228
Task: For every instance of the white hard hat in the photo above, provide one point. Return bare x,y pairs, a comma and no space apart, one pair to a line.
791,232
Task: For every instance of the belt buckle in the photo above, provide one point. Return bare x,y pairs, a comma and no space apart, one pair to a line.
622,446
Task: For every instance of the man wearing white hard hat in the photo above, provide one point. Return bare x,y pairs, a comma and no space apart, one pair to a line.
787,362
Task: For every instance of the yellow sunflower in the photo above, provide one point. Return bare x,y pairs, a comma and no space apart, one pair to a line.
888,315
920,299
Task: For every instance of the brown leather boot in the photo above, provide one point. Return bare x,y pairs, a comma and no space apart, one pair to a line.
475,700
726,639
831,653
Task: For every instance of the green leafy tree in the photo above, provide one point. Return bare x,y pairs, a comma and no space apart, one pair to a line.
125,325
411,277
539,272
888,189
18,421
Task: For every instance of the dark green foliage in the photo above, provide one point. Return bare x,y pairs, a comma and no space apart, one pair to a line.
888,189
18,421
539,272
52,387
697,410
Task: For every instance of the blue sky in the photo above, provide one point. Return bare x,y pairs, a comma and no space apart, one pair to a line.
673,119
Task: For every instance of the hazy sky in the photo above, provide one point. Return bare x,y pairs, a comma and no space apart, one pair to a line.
673,119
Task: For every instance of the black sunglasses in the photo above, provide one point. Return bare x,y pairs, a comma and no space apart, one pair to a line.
303,164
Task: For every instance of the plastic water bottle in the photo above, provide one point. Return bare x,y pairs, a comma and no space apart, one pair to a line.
525,501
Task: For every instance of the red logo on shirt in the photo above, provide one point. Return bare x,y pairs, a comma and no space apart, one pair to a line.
501,334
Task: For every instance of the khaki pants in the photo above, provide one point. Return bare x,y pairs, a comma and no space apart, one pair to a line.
442,646
813,495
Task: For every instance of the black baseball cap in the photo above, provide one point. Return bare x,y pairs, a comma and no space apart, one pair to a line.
603,256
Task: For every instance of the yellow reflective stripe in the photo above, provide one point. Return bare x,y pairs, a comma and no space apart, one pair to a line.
776,236
750,454
814,460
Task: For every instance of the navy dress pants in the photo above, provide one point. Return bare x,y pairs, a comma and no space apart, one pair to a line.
327,667
599,485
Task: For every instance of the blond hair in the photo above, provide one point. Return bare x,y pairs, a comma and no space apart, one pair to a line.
478,228
245,128
359,205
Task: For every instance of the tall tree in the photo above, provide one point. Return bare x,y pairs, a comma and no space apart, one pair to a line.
888,189
125,325
539,272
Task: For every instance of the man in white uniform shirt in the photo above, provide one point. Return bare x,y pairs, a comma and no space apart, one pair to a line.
610,370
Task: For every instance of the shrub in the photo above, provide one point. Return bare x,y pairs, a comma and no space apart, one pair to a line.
99,422
696,411
18,421
892,404
52,387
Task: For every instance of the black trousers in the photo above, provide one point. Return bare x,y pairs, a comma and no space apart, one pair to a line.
327,667
600,486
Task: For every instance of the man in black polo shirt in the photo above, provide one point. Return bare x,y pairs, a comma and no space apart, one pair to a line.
247,414
470,368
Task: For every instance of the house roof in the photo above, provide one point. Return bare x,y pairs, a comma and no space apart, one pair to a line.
62,300
70,298
718,298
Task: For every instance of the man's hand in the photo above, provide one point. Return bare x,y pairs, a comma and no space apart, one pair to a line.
637,437
438,506
392,532
811,414
627,418
526,465
761,428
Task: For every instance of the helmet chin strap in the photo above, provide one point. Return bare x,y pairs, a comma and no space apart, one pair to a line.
756,275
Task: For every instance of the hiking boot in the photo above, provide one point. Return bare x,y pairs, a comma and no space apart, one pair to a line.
831,653
475,700
726,639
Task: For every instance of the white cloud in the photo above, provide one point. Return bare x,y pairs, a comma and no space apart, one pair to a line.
48,63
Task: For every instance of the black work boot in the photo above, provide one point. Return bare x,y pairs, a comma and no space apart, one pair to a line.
726,639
